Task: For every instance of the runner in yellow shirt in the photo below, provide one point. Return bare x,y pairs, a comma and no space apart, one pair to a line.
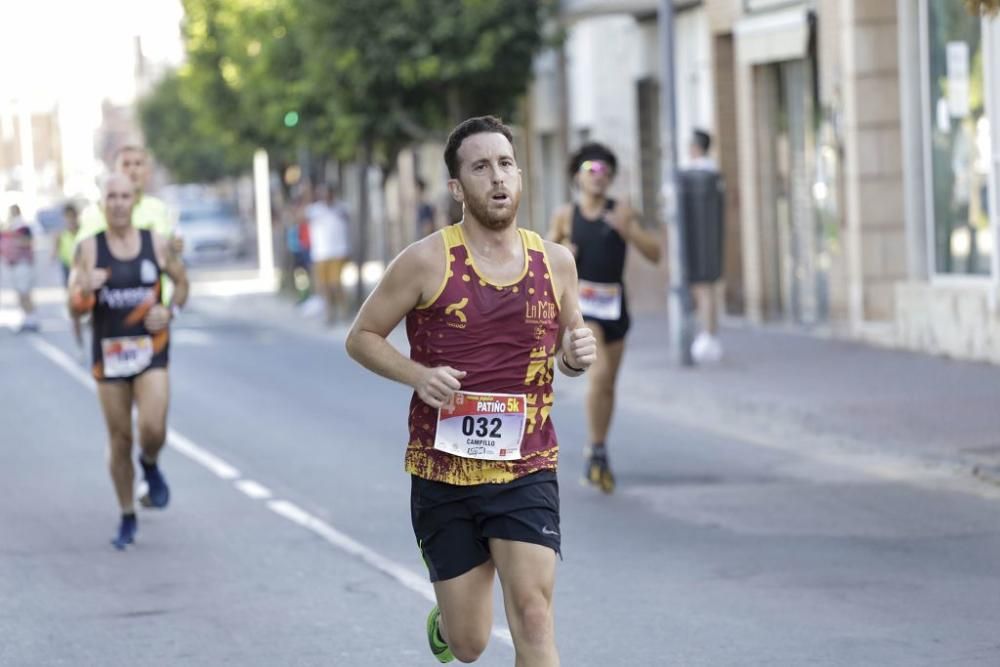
149,213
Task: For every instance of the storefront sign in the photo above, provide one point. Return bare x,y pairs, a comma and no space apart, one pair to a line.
751,6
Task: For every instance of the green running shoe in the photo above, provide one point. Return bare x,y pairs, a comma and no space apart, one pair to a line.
438,647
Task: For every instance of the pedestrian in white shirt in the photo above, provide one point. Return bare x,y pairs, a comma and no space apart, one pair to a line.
330,248
17,251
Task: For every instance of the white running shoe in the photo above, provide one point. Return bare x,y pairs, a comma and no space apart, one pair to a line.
706,349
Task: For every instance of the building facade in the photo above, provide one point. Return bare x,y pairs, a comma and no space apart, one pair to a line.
859,140
865,146
603,85
950,87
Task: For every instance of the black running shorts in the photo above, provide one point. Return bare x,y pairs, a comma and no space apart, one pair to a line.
453,524
613,330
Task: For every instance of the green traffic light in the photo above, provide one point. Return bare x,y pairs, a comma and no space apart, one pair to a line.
291,119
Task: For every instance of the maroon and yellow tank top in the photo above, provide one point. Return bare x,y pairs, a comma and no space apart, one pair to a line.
504,337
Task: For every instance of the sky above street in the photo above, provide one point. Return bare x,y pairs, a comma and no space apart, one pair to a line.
57,50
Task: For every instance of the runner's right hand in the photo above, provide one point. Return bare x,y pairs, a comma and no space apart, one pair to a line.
437,385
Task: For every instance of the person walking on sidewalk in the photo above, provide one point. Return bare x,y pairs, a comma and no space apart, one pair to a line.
116,274
704,275
18,255
598,230
329,247
490,311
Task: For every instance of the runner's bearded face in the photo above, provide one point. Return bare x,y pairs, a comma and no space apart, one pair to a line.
490,179
594,177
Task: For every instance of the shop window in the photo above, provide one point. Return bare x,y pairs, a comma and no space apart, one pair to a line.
958,149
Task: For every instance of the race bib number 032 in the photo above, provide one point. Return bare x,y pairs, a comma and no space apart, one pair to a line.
482,426
602,301
128,356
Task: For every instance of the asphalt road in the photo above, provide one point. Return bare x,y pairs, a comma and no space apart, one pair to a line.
288,539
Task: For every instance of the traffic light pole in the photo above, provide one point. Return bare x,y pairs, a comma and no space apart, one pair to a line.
678,297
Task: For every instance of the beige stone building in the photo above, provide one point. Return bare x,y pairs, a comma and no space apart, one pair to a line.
861,140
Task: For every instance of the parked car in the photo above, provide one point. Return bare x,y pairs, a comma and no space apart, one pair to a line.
212,231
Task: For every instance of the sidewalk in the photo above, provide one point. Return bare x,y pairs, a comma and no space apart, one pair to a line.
797,391
828,398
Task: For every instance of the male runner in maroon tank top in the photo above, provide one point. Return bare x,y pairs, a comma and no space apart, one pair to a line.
490,311
598,230
117,274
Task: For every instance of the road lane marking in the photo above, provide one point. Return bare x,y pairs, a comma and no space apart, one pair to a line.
253,489
177,441
63,361
405,577
201,455
288,510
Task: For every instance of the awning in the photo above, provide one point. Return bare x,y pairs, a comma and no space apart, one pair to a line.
579,9
772,37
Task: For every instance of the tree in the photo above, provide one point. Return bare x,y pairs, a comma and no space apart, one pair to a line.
387,73
983,7
357,79
246,62
392,72
176,134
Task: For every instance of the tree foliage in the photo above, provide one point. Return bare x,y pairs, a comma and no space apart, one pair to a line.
247,67
399,71
177,135
984,7
361,76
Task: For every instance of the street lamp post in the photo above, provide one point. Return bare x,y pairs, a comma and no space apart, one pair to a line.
678,297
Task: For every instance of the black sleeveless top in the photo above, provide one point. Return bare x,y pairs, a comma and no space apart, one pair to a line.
132,288
600,249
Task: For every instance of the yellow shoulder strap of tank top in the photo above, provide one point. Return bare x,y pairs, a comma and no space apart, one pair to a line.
452,238
534,241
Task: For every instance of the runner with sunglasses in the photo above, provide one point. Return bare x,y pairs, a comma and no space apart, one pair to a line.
598,230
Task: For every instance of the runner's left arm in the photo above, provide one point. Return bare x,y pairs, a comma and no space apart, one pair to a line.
625,219
172,264
578,347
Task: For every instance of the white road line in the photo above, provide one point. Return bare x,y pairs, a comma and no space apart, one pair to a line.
253,489
402,575
201,455
63,361
406,577
174,439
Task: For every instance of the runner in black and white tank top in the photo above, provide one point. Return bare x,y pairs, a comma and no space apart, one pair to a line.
122,346
599,230
600,265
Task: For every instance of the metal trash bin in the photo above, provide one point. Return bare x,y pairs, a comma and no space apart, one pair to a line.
702,210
